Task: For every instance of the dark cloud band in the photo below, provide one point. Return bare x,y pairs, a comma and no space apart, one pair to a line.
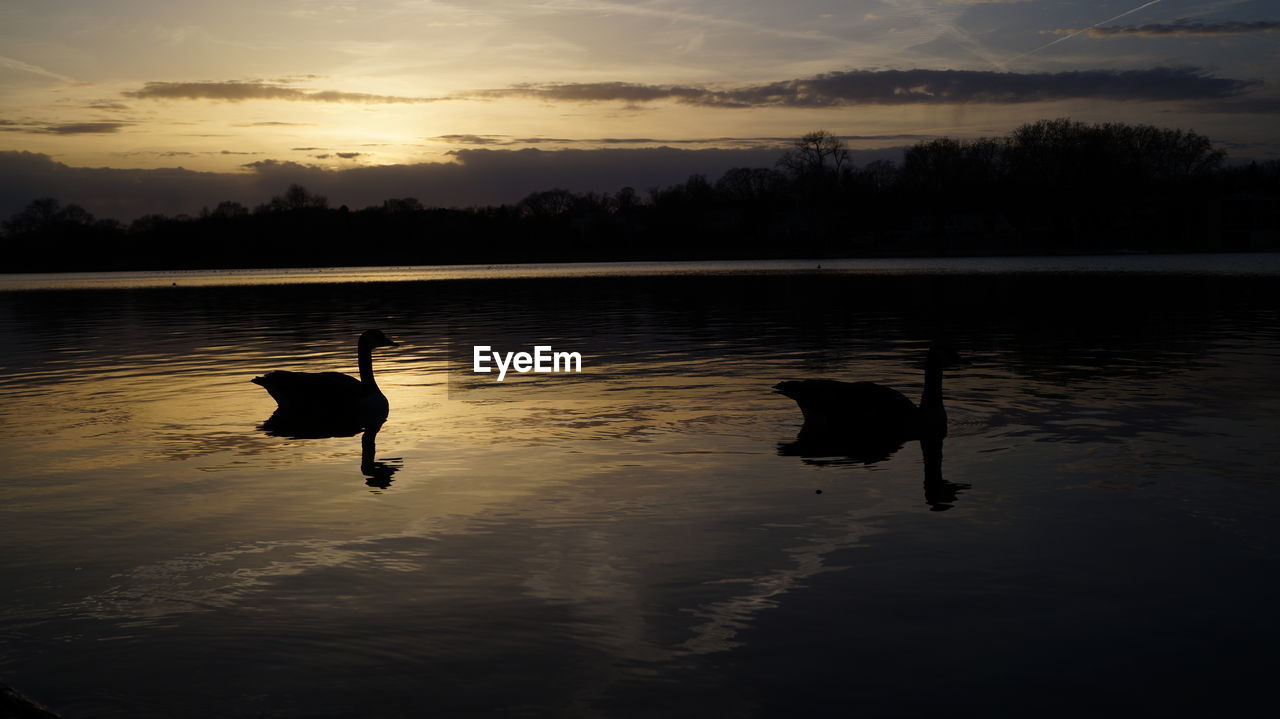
720,142
908,87
1182,28
233,91
71,128
834,89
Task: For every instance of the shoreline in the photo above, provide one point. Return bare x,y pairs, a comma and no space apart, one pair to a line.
816,260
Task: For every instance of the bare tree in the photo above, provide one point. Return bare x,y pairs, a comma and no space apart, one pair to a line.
747,184
547,203
817,152
228,210
400,205
296,197
626,199
47,214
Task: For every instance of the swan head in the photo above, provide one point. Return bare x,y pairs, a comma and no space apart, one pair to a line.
944,356
375,338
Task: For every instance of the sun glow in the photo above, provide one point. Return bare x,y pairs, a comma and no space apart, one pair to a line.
339,86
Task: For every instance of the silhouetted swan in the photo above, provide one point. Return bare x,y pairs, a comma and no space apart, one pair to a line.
879,414
330,400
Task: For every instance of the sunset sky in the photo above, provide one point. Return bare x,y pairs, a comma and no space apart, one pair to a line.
238,90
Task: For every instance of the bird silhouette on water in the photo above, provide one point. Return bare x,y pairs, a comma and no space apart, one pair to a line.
870,410
328,404
313,405
868,422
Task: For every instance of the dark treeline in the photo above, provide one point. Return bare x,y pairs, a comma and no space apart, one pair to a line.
1052,186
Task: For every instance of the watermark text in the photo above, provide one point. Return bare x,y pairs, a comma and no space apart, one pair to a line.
542,359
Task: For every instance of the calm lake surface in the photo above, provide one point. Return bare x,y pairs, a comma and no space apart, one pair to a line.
641,539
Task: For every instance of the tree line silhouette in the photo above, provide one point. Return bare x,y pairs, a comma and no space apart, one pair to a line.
1053,186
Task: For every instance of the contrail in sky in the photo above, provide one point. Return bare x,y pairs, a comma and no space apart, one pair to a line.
1086,29
28,67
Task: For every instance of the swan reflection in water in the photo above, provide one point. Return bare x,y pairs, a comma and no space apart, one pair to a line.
377,472
866,423
314,405
939,493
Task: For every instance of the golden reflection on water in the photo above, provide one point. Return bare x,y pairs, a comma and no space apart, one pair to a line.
636,516
170,445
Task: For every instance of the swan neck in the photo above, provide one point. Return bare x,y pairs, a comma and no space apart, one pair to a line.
932,396
364,354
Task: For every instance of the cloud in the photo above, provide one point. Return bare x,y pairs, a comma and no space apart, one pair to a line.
507,140
906,87
109,192
184,153
473,139
703,142
348,155
84,128
1180,28
237,91
72,128
275,123
833,89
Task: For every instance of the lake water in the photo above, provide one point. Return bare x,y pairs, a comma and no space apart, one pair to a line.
639,539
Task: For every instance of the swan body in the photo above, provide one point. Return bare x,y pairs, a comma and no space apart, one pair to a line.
871,410
327,396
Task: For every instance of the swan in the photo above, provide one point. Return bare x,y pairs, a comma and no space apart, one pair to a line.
330,396
874,411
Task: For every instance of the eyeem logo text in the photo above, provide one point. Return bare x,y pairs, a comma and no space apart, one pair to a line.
543,359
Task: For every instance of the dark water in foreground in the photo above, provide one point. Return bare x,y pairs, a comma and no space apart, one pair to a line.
630,542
